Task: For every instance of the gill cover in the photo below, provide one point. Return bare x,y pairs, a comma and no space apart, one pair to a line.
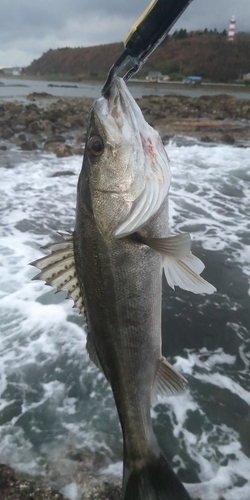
132,177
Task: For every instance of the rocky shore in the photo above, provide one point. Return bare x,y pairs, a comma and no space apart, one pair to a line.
59,125
47,124
18,486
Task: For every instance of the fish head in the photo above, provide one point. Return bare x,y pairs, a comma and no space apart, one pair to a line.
125,163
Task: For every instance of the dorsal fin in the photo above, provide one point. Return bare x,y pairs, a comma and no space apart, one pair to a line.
58,269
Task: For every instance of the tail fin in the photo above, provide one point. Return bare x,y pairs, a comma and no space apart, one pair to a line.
154,481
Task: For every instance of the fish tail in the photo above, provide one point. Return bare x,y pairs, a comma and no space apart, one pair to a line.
154,480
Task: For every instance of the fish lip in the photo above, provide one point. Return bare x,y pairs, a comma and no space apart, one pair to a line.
120,104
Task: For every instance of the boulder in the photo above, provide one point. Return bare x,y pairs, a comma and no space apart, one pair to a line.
228,139
54,138
17,486
7,133
20,139
59,149
34,127
29,145
61,173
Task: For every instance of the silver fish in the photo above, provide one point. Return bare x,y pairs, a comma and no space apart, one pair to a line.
111,266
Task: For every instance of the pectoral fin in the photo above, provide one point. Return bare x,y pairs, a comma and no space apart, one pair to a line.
58,269
143,209
174,246
181,267
155,190
179,273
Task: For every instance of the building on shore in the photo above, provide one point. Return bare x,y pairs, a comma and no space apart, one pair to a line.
156,76
15,71
231,29
192,79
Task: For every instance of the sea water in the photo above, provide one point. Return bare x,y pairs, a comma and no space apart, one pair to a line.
57,415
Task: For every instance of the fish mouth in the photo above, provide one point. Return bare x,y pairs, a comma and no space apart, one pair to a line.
119,114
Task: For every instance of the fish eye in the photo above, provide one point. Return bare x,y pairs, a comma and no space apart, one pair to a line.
95,145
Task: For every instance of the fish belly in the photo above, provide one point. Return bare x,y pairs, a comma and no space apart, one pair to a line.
121,281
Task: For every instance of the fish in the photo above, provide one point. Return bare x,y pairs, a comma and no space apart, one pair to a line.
111,265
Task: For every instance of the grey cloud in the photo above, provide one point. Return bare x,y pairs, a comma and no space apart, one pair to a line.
29,27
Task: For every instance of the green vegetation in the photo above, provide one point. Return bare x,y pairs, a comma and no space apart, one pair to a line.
167,67
203,53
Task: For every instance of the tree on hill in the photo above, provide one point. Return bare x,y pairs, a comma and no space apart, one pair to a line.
207,54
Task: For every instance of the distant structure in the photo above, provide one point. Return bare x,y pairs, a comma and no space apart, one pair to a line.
15,71
154,76
231,29
192,79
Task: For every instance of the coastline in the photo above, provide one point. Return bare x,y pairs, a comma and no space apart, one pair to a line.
49,124
57,125
16,485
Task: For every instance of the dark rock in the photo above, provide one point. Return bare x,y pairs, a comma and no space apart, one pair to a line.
78,151
20,139
47,126
228,139
3,148
106,491
63,85
16,486
8,165
39,95
170,115
7,133
19,127
166,137
62,172
60,150
29,145
206,138
55,138
34,127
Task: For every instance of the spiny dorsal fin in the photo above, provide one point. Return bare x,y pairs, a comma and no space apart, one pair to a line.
58,269
168,381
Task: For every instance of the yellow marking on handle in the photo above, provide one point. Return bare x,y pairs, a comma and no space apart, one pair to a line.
139,20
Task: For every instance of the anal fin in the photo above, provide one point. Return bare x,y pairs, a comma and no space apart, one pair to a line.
168,381
58,269
90,346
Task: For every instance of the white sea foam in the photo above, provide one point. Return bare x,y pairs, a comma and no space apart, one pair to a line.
209,194
52,398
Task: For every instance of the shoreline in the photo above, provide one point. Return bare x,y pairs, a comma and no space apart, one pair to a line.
15,485
221,86
58,125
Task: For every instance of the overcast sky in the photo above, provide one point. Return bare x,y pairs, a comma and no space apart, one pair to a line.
30,27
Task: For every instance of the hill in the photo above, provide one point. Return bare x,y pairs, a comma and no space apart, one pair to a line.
207,54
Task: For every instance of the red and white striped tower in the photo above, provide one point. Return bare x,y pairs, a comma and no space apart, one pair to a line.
231,29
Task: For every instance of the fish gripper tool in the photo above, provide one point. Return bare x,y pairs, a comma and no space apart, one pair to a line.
144,36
